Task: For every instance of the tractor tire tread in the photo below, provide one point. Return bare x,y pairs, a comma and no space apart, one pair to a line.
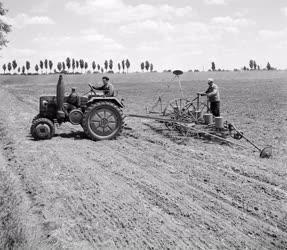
42,120
85,121
34,119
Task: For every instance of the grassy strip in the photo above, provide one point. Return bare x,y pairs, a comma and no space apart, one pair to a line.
12,235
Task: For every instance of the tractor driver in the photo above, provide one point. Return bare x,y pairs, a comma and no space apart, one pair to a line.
212,94
73,102
107,87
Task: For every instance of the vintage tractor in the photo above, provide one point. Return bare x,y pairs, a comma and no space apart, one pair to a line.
101,117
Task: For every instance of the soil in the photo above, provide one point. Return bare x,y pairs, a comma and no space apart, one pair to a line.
148,189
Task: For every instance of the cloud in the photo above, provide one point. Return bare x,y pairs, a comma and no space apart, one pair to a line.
37,20
229,21
23,19
18,53
241,13
154,26
100,40
284,10
215,2
41,7
159,35
233,30
24,52
195,31
227,24
273,34
274,39
116,11
87,37
188,38
59,40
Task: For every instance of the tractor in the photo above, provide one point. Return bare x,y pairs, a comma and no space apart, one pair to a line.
101,117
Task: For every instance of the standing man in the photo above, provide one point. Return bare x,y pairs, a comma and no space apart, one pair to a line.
107,87
212,94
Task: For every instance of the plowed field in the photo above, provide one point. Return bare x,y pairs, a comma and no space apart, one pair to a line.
149,188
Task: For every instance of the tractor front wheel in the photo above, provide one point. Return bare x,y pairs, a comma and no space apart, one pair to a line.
42,129
34,119
103,121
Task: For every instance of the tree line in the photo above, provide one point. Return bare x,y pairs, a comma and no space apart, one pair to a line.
71,66
252,66
146,66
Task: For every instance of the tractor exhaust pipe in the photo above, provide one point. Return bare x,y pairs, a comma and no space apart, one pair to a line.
60,98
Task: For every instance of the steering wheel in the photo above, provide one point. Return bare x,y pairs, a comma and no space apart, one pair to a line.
92,89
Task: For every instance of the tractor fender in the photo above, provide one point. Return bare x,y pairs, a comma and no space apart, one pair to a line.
114,100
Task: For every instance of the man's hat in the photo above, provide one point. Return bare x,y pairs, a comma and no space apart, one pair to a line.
105,78
210,80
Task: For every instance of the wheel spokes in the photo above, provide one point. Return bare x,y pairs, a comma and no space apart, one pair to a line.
103,122
94,120
98,114
95,126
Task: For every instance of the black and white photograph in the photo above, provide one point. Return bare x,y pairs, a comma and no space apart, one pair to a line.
143,124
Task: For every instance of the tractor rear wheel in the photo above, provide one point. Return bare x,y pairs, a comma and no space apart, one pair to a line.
103,121
42,128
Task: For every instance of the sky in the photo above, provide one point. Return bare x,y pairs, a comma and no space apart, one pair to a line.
182,34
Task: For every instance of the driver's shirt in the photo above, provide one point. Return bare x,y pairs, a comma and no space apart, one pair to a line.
107,89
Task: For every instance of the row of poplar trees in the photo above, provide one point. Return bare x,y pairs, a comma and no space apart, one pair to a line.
146,66
70,65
